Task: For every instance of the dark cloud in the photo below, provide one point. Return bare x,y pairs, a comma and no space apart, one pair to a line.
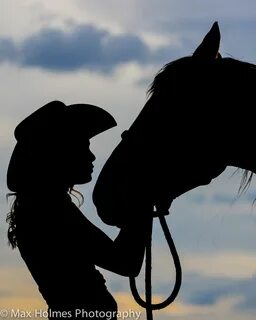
201,290
207,291
84,46
250,196
8,50
224,198
94,49
59,50
210,227
231,199
199,198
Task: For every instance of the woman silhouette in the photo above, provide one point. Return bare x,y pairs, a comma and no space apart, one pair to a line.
59,245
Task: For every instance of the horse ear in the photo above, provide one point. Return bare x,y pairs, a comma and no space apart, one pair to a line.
209,47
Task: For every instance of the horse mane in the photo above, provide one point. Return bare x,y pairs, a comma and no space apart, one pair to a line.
165,73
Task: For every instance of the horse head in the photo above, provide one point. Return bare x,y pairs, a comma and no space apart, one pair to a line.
197,121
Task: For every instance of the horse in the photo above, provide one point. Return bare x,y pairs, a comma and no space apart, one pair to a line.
196,122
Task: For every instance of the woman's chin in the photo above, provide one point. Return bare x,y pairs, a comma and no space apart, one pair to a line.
83,180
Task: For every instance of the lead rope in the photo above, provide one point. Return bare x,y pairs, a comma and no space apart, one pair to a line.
148,305
148,270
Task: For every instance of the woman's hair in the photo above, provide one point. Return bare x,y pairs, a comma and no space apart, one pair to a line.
32,163
15,208
11,220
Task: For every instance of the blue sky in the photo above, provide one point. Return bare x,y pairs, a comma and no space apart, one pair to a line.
107,53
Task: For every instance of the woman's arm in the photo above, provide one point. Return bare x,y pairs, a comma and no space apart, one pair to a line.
125,254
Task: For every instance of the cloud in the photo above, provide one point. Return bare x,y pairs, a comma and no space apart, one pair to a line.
199,290
97,49
8,49
131,13
5,294
224,198
85,46
207,271
186,20
219,310
225,264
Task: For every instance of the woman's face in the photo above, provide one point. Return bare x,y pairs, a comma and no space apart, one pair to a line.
78,165
83,166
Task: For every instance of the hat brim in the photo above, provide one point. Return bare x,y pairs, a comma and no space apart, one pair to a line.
92,119
55,117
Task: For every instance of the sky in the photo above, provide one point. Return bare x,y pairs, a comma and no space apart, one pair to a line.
106,53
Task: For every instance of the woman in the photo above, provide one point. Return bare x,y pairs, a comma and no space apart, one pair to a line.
59,245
